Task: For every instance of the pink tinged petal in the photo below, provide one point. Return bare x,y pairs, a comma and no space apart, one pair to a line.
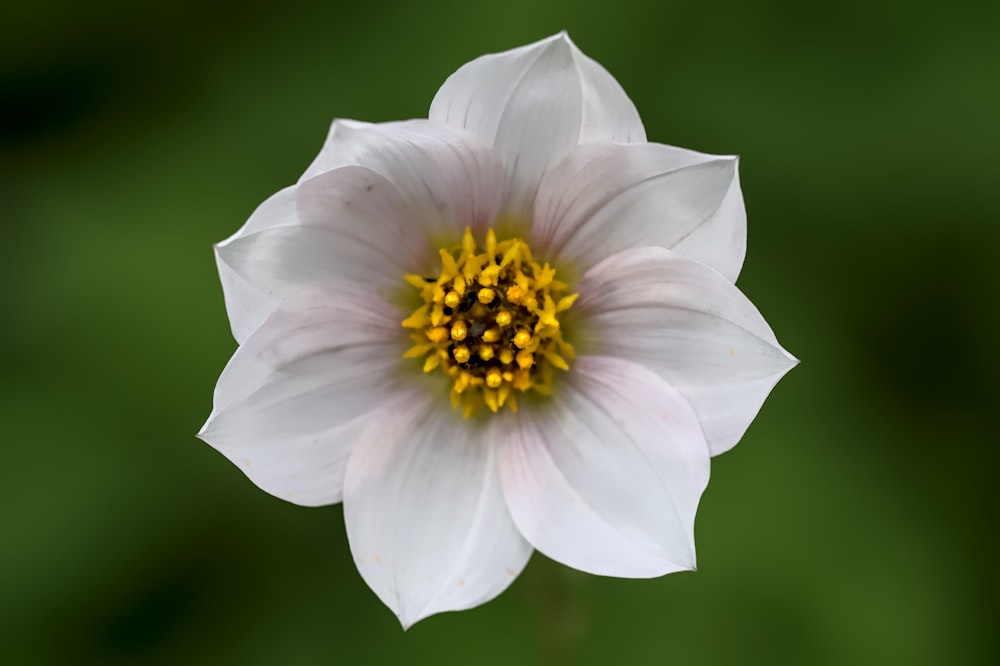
344,226
290,404
533,104
426,519
689,324
449,177
607,198
606,476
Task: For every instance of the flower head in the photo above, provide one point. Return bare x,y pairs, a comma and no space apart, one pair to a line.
511,326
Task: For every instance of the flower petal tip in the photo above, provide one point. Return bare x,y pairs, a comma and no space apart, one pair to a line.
203,431
791,358
686,562
563,38
406,621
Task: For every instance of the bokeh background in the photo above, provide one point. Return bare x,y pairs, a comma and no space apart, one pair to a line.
856,522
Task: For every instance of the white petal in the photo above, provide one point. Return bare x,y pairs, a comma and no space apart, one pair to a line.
290,404
428,527
246,304
341,147
606,476
385,196
449,177
606,198
689,324
344,226
721,240
534,104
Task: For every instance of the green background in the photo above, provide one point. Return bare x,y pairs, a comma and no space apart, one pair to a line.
855,523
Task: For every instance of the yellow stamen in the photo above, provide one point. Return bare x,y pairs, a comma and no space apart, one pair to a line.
418,319
433,361
521,381
415,281
437,334
566,302
491,399
417,351
503,393
556,360
522,339
490,322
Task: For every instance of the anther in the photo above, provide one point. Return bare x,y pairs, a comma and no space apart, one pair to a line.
461,354
515,294
452,299
504,318
486,296
437,334
459,331
494,378
506,355
524,359
491,335
521,340
485,352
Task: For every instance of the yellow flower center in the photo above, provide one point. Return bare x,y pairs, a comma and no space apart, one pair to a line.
490,322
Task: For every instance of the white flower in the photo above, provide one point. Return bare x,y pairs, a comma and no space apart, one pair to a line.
424,259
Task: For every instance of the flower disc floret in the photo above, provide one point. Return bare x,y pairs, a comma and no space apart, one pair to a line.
490,322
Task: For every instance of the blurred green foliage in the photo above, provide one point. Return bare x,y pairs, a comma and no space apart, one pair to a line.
855,523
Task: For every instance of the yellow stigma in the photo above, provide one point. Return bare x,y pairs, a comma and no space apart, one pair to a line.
490,322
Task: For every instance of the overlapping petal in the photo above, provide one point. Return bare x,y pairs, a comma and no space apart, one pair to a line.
290,404
449,177
605,198
390,196
688,323
344,226
607,475
534,104
426,519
